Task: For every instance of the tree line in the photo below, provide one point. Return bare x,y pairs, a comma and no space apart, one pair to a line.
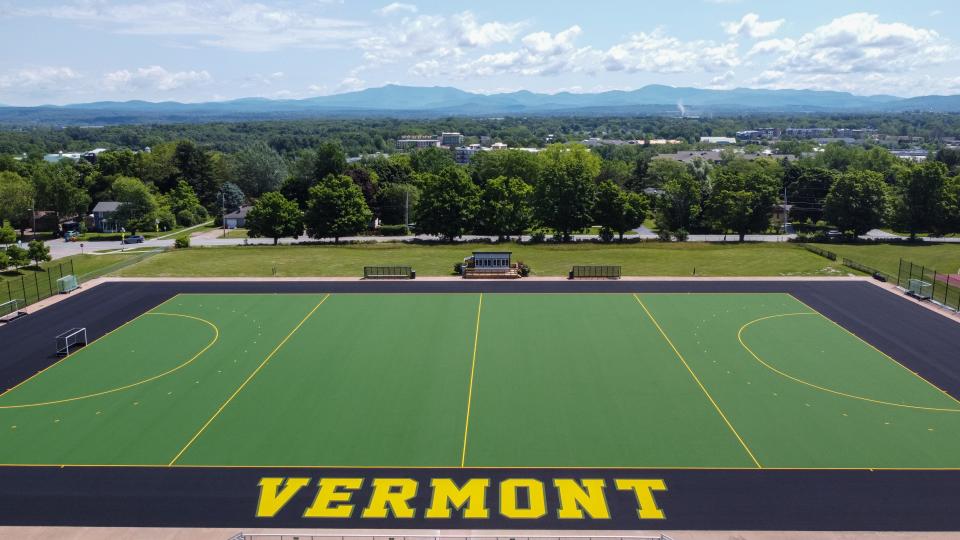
559,191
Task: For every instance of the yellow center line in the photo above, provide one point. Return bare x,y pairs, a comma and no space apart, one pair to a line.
249,378
473,366
697,379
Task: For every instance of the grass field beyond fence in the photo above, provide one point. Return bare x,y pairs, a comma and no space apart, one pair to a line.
647,259
945,258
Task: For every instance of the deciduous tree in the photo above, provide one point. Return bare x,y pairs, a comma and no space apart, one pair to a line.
274,216
336,208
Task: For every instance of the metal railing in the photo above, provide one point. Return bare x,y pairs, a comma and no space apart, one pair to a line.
318,536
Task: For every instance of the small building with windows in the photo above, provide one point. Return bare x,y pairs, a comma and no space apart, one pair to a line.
487,264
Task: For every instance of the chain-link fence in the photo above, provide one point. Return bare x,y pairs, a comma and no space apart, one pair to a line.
850,263
35,285
929,284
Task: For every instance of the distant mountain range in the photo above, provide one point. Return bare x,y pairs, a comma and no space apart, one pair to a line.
408,101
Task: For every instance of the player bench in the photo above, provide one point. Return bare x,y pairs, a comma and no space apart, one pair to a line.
595,272
389,272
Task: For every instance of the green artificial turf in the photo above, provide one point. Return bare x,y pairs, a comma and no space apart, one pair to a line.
563,380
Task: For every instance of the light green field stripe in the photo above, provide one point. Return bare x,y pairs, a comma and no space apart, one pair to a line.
567,380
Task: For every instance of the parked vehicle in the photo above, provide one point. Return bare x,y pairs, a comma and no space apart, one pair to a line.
133,239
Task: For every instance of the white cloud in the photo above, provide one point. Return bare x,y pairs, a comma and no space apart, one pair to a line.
153,78
752,27
38,79
772,46
435,36
231,24
657,52
860,43
394,8
541,53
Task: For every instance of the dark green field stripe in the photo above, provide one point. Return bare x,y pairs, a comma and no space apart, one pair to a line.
370,380
791,424
147,424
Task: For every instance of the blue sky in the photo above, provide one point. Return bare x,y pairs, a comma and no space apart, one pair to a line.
69,51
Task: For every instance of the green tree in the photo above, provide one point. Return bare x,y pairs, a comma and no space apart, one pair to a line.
330,160
196,167
16,199
7,235
336,208
520,164
58,189
393,170
920,197
4,260
397,203
618,210
18,257
230,198
857,202
184,204
565,192
448,204
680,205
742,203
807,187
139,208
274,216
38,252
505,207
258,169
431,160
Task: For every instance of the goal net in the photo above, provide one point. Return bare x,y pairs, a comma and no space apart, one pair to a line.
70,340
67,283
920,288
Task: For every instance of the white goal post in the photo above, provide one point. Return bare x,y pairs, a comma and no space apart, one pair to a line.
73,338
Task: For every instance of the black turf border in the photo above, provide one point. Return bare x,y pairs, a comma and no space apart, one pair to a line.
924,341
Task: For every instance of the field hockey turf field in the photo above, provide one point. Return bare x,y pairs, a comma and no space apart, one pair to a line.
659,382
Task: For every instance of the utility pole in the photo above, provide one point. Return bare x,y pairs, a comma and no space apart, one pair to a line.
223,209
785,210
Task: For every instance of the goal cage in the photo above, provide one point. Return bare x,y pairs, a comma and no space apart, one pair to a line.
10,307
920,288
71,340
67,284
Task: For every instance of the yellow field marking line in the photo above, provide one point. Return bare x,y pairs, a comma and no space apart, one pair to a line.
818,387
131,321
248,379
885,355
473,366
449,467
216,337
697,379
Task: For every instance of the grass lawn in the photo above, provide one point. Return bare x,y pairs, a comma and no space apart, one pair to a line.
82,264
233,233
944,258
647,259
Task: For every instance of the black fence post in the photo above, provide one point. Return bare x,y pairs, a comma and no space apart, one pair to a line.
50,282
23,285
36,284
